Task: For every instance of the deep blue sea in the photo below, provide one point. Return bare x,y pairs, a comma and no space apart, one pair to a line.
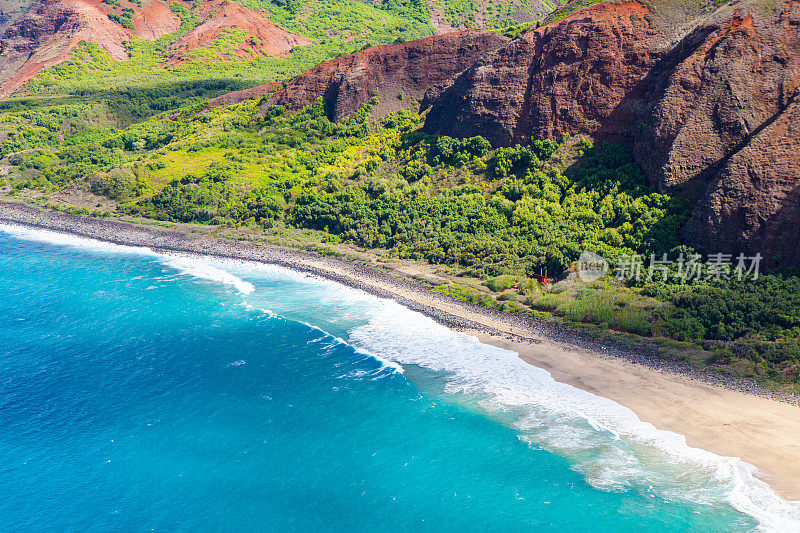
142,392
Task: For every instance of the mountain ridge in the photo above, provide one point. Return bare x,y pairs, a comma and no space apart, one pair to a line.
688,110
47,35
704,96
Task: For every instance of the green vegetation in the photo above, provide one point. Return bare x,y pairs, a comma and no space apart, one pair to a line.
749,328
125,19
493,13
155,79
518,30
348,21
568,9
123,92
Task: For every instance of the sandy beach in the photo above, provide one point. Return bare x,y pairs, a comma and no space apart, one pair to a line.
761,431
712,414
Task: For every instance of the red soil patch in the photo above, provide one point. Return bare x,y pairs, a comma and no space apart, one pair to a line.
407,69
221,15
47,35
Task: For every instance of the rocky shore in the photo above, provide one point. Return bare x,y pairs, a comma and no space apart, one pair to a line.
412,293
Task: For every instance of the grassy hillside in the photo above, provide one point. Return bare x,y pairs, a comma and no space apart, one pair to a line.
336,27
95,89
492,13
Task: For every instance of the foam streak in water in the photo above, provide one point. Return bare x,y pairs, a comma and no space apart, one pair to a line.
199,267
204,269
66,239
605,441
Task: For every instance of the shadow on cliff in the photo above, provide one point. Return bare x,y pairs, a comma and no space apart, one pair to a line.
780,235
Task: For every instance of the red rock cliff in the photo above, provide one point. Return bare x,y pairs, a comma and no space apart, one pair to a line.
574,77
708,106
722,129
409,69
46,36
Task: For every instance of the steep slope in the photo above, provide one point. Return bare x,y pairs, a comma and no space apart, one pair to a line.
10,10
45,36
569,77
262,36
753,202
401,73
723,130
706,101
407,69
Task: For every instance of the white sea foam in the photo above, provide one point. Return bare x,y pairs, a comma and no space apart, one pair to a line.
385,363
604,440
208,268
67,239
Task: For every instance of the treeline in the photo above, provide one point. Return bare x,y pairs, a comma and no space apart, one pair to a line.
518,215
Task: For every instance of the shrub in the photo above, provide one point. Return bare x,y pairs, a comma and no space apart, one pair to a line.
117,184
501,283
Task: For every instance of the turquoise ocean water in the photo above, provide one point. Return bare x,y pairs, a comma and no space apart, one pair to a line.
141,392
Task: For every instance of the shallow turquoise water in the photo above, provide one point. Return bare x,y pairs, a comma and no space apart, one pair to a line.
139,393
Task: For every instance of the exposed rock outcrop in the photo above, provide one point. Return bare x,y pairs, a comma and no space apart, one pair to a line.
262,36
401,73
753,202
407,69
707,104
723,131
235,97
582,75
46,36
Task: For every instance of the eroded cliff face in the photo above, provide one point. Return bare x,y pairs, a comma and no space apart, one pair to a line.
708,110
45,36
722,130
752,204
726,82
582,75
407,69
220,15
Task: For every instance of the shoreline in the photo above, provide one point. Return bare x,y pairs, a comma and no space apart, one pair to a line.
723,415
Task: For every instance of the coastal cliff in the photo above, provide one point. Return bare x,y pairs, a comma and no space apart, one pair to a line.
400,73
708,108
577,76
